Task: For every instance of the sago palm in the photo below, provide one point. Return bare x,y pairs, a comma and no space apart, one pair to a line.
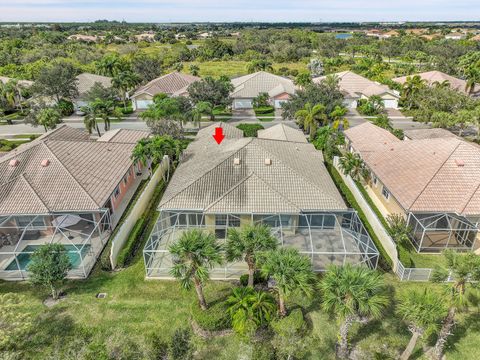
290,272
245,243
193,255
353,294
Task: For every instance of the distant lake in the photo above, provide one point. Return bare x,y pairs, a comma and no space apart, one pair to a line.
343,36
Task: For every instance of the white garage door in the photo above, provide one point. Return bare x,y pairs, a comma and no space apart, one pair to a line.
143,104
391,104
243,104
349,103
278,103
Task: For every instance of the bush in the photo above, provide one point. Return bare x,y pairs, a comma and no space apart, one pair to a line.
289,339
215,318
257,279
129,247
250,130
292,323
126,111
180,347
65,107
264,110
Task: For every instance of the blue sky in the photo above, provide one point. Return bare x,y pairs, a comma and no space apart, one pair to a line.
236,10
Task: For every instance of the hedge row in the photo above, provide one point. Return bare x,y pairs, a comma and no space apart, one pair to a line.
250,130
130,244
264,110
385,261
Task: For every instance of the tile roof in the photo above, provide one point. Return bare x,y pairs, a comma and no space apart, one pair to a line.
86,81
124,136
355,85
24,83
208,180
174,83
81,174
282,132
427,175
419,134
250,86
437,76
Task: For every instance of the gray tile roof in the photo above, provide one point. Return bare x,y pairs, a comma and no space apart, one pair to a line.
419,134
81,174
124,136
174,83
282,132
86,81
207,178
250,86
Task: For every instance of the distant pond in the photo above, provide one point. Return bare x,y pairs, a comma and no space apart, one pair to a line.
343,36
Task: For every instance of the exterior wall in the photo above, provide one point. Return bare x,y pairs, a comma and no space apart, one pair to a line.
123,186
391,204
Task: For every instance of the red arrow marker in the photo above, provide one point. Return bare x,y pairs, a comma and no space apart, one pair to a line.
219,135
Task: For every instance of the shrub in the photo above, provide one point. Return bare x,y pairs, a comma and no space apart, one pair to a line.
128,250
257,279
261,100
263,110
250,130
65,107
215,318
288,340
180,347
126,111
263,351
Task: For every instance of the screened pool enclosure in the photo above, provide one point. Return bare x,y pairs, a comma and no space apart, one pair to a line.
437,232
83,236
326,238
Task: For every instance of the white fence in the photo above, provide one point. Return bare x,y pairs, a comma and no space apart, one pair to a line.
403,273
136,212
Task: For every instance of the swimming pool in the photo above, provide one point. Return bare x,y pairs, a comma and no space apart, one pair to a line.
25,255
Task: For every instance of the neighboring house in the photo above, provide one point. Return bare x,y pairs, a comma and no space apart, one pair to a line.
282,184
389,34
282,132
85,82
248,87
173,84
84,38
455,36
150,37
434,182
356,87
476,38
421,134
65,188
22,83
432,77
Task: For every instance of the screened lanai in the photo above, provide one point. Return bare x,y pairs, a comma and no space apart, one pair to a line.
83,236
326,238
437,232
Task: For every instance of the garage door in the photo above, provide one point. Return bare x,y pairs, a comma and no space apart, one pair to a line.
278,103
391,104
143,104
349,103
243,104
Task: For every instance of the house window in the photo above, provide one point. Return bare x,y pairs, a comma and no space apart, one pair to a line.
374,180
221,220
125,178
23,221
116,192
385,193
234,221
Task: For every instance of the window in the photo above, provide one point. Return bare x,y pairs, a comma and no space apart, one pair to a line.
234,221
125,178
23,221
221,220
116,192
374,180
385,193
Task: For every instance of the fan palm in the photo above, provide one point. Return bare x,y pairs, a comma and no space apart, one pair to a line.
423,312
245,243
472,75
310,116
193,255
353,293
290,271
353,165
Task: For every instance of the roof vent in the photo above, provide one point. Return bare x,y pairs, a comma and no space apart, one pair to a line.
236,161
14,162
45,162
459,162
268,161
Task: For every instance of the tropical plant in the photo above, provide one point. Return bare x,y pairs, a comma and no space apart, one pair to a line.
472,75
290,272
194,70
57,81
315,66
214,91
352,164
339,121
462,270
372,106
259,65
49,266
124,82
310,117
261,100
289,340
303,79
410,90
250,309
99,110
353,294
111,65
399,229
205,108
383,122
193,255
49,118
245,243
423,311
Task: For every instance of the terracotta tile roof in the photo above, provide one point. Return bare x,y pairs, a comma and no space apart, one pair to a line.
174,83
250,86
80,175
282,132
209,180
428,175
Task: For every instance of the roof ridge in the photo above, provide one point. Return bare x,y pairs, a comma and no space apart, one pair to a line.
70,174
470,197
435,174
22,176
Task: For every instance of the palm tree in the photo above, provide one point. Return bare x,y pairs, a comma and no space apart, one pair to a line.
289,271
382,121
445,84
461,269
472,75
111,65
353,165
124,82
194,70
354,294
90,119
259,65
244,244
411,88
193,255
250,309
339,119
423,312
310,116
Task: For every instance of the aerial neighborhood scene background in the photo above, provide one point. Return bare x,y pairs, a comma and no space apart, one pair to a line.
265,181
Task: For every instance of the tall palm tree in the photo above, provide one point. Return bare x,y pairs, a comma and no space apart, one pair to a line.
339,119
411,88
290,271
310,116
353,165
111,65
354,294
472,75
90,120
245,243
124,82
423,312
462,269
250,309
193,255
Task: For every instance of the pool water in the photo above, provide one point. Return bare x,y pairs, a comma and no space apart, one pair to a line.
343,36
24,256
